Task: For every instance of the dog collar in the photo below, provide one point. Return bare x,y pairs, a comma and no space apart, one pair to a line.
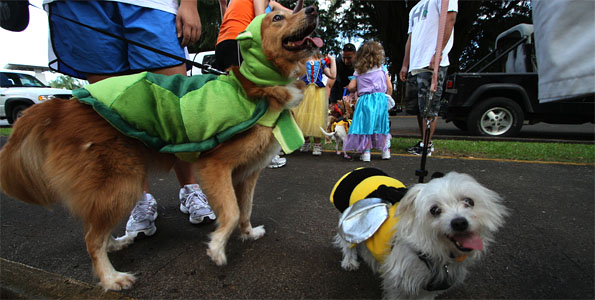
440,276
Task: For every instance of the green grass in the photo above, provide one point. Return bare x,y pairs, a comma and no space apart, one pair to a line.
5,131
528,151
558,152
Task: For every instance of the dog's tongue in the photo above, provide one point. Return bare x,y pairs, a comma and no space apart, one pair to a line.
315,40
470,241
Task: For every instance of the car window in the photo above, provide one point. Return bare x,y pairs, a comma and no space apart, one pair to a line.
19,80
5,81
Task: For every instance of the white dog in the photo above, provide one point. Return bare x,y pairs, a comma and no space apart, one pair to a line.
339,136
444,226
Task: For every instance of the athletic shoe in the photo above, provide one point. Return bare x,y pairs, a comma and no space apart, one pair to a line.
414,149
317,150
305,147
365,156
194,202
277,162
142,218
386,154
419,151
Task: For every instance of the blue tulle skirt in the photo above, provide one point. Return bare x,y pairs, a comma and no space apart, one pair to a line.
369,128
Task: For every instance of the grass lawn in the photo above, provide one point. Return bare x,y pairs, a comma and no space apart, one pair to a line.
529,151
559,152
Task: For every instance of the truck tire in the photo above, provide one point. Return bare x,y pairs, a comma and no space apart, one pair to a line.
496,116
17,112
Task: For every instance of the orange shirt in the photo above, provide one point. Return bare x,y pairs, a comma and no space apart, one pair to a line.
237,17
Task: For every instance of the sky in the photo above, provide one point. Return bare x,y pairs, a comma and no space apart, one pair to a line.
30,46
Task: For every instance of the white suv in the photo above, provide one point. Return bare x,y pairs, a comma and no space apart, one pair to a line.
18,91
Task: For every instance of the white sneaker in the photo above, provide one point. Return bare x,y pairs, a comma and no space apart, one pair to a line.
142,218
305,147
194,202
386,154
365,156
317,150
277,162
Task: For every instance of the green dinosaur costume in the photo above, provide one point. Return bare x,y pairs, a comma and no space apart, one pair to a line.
189,115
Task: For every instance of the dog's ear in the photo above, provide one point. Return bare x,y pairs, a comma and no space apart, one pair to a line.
406,204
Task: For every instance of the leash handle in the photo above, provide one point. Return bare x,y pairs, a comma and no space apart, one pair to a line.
204,67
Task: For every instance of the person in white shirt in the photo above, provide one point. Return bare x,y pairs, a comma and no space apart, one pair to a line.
418,63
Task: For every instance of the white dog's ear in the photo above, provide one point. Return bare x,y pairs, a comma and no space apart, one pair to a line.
406,205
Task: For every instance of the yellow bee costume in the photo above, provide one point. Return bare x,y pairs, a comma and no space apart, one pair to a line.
368,199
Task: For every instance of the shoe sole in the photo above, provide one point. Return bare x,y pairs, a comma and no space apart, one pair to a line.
209,218
146,232
204,219
275,166
419,154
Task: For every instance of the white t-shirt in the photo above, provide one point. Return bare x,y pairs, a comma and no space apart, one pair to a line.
424,20
170,6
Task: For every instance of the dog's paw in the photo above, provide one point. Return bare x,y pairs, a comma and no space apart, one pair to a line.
350,265
254,234
117,281
217,255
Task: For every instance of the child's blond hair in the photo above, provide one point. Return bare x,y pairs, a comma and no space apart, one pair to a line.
370,55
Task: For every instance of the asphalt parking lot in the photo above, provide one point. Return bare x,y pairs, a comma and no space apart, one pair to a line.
545,249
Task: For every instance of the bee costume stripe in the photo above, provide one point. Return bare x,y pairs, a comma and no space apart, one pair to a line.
375,221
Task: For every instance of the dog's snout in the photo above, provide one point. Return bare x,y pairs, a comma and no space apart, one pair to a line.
459,224
311,10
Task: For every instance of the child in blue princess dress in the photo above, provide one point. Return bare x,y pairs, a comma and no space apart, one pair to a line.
312,113
370,126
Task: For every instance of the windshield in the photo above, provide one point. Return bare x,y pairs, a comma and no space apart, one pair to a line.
19,80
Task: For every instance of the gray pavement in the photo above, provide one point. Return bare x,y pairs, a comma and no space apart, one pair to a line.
545,250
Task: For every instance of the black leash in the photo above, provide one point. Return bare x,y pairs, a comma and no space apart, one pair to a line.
205,67
422,172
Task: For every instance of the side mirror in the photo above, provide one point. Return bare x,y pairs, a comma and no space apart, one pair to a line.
14,15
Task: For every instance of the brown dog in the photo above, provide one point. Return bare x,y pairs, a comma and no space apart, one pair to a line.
62,151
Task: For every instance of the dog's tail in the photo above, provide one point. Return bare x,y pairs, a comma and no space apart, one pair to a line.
21,164
329,134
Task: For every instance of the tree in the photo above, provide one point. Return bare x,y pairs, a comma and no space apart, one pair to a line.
478,24
66,82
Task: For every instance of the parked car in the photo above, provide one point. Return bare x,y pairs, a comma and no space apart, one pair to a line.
18,91
502,95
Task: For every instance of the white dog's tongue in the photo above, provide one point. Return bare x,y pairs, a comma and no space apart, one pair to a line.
315,40
471,241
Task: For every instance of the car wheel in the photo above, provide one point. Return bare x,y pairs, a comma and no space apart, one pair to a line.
462,125
496,117
17,112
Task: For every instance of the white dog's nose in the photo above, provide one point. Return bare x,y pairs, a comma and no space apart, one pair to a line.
459,224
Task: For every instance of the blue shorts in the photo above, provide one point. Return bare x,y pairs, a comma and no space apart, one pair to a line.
80,50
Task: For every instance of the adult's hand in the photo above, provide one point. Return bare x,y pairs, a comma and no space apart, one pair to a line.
403,73
188,24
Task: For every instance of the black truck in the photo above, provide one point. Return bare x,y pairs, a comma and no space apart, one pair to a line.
501,96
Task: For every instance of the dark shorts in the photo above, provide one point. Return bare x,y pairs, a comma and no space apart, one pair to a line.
417,91
80,50
227,54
